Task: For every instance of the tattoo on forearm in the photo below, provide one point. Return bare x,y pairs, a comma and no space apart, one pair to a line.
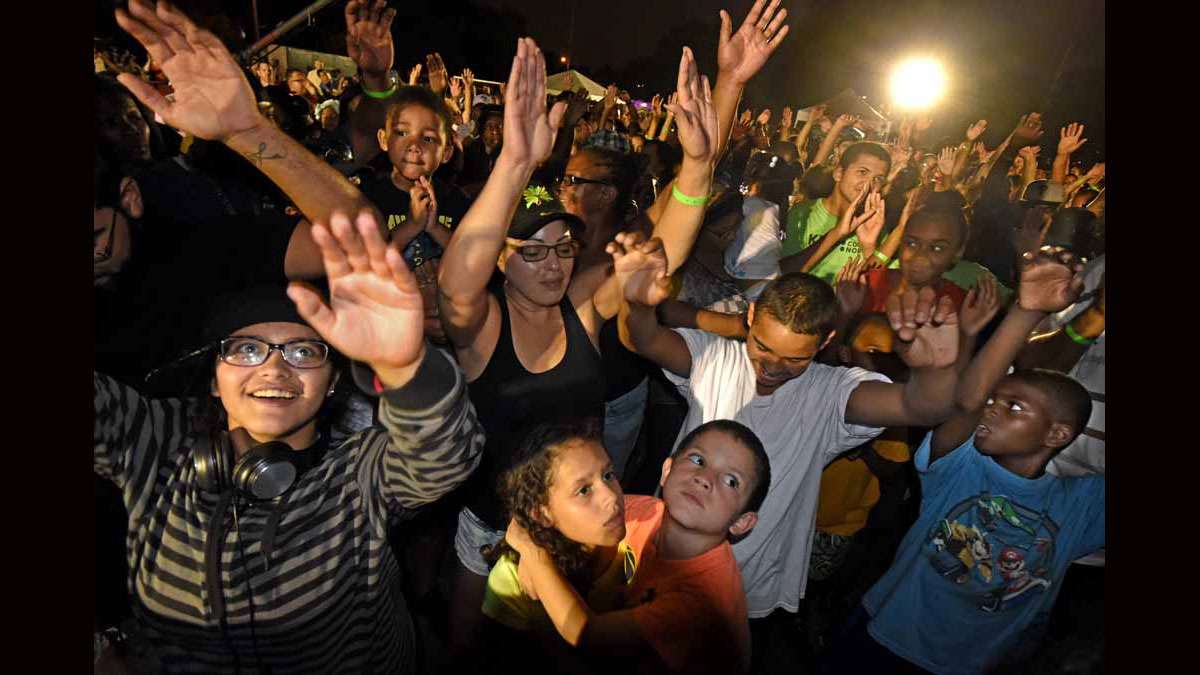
261,154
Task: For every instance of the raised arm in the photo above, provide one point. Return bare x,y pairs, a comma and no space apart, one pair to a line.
471,256
740,56
1050,281
927,339
1070,140
678,314
641,270
374,316
683,214
831,139
213,101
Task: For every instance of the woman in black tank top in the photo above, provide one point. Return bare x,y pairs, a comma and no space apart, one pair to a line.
528,345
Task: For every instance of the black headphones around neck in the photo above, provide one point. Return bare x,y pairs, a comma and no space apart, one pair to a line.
265,472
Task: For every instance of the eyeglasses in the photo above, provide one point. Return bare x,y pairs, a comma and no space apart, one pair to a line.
106,253
251,351
536,252
580,180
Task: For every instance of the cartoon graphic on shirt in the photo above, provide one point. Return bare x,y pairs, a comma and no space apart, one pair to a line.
995,548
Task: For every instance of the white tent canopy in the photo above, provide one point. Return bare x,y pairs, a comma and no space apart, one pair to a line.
573,80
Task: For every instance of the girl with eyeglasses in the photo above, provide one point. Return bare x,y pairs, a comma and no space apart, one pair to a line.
527,341
255,544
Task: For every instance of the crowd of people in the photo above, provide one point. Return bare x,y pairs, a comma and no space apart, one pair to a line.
569,386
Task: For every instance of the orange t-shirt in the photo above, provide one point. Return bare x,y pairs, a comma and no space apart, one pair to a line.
693,612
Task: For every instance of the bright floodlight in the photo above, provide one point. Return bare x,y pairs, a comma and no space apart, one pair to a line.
918,83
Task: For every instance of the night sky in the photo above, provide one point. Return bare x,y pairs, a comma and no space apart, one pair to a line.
1004,58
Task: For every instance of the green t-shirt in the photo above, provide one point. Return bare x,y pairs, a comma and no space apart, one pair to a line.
505,602
807,223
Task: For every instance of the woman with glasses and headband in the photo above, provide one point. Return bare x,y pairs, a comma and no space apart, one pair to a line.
255,544
528,341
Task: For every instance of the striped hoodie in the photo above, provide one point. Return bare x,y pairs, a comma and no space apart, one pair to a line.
324,585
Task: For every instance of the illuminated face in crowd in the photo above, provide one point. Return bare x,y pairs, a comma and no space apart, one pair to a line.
707,484
863,170
542,282
778,354
414,142
274,401
585,502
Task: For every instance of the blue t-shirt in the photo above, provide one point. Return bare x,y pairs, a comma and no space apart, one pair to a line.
975,578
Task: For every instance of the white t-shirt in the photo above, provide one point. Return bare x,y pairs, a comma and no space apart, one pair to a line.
1085,455
803,427
755,250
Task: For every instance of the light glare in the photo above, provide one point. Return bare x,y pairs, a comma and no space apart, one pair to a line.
918,83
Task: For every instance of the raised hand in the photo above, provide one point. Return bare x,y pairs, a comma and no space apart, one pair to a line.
375,311
468,77
1029,153
926,328
982,152
848,222
1095,173
900,156
785,118
851,286
817,112
528,129
414,75
422,204
980,305
437,72
869,225
1070,138
1051,279
945,161
212,99
763,117
656,105
610,96
456,88
924,122
742,54
695,116
845,120
640,267
976,130
1028,130
577,107
369,35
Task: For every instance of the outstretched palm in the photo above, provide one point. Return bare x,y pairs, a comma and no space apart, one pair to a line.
694,112
212,99
743,54
528,130
375,312
1051,280
369,35
926,328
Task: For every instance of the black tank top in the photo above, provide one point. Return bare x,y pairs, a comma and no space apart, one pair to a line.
509,400
623,369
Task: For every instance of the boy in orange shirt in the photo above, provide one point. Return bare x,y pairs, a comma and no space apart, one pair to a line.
685,606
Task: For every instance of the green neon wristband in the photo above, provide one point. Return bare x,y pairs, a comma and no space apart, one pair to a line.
380,94
1076,337
879,255
684,199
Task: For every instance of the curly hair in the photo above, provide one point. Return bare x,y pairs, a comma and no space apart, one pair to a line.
525,488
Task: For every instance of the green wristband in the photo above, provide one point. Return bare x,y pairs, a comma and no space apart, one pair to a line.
684,199
1076,337
879,255
380,94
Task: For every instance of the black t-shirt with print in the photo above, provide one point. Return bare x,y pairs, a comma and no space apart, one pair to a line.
393,203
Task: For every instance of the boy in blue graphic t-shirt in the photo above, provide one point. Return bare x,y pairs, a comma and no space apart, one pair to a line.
976,577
